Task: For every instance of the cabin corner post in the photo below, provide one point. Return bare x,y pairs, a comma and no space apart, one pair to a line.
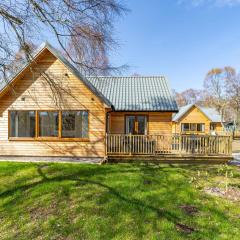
106,144
107,130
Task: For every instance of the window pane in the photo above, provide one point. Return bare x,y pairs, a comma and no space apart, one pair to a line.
213,126
84,124
48,124
193,127
130,124
75,124
142,122
22,124
200,127
185,127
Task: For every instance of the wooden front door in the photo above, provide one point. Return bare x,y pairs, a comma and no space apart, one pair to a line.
136,124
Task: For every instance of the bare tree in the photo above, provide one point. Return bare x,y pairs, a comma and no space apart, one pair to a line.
221,91
94,57
214,86
135,74
189,96
81,27
20,58
180,98
233,92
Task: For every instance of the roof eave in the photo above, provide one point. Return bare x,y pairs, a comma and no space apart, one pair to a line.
129,110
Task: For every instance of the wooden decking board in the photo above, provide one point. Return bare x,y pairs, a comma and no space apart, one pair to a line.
172,159
236,146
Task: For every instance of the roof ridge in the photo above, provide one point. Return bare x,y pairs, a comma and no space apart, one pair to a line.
109,76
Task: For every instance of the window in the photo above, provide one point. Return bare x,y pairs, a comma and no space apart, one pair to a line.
193,127
22,124
136,124
213,126
48,124
185,127
130,124
201,127
75,124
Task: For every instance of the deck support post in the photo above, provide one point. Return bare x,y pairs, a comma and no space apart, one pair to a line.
131,143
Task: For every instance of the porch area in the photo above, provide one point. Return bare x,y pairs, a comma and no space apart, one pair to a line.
172,147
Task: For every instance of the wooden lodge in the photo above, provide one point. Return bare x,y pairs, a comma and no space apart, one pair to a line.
49,110
193,119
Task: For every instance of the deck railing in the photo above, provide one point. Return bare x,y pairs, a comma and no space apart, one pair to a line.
127,144
236,134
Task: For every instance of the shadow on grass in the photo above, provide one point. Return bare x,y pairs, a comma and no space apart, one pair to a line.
137,203
162,175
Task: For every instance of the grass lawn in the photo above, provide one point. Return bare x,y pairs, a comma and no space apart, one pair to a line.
122,201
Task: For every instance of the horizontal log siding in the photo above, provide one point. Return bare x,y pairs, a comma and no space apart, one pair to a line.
158,122
39,96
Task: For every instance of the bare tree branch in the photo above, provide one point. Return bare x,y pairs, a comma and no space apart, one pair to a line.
83,30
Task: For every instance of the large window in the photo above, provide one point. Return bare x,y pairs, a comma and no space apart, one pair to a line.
75,124
22,124
136,124
50,124
193,127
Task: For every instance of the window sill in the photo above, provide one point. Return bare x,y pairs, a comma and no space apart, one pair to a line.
192,132
50,139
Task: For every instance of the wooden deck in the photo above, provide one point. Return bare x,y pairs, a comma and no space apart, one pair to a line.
236,146
236,135
171,159
169,148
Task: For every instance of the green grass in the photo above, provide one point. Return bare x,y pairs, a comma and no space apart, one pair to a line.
122,201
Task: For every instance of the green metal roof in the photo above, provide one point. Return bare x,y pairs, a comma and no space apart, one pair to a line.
136,93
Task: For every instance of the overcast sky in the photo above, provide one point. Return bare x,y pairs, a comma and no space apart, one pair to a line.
181,39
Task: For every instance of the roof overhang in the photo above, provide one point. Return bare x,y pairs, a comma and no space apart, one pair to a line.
187,111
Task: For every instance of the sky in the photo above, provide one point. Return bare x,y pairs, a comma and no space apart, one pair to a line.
180,39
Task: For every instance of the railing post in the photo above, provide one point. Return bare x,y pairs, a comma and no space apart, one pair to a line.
208,145
230,140
131,142
180,143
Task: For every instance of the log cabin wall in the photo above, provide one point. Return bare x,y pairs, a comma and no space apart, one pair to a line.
65,92
158,122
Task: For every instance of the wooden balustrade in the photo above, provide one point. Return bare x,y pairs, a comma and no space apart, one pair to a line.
236,134
127,144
